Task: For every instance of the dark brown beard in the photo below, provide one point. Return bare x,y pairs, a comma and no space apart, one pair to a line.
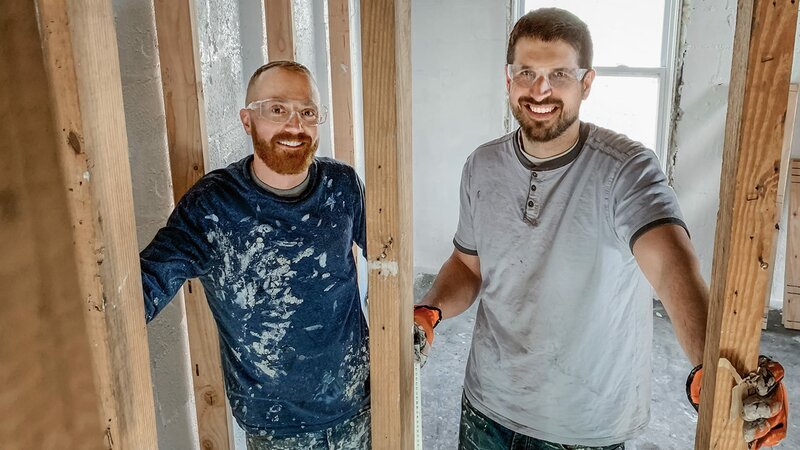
283,161
538,132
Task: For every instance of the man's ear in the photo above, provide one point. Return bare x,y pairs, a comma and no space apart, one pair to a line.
508,79
588,79
244,116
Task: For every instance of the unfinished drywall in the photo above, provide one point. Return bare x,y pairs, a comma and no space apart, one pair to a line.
152,196
458,102
695,164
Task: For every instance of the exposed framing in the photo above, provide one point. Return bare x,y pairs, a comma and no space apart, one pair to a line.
341,80
760,71
385,32
186,135
280,30
80,62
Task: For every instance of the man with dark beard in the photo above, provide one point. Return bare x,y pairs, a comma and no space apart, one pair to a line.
270,237
561,225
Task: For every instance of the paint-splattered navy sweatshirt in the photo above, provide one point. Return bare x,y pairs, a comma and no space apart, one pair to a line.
281,282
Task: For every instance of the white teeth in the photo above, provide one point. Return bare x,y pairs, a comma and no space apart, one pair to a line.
541,109
291,143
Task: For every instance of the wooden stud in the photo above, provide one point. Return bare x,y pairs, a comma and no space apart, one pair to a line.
786,150
341,80
80,62
762,59
791,293
186,134
280,30
49,397
385,31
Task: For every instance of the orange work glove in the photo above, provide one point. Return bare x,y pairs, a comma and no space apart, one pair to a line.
425,320
427,317
765,411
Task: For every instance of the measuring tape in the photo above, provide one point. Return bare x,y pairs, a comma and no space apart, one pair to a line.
417,409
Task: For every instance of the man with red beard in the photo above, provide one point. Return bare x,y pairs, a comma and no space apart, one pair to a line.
562,223
270,237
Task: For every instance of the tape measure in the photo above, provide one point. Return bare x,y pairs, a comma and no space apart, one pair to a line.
417,409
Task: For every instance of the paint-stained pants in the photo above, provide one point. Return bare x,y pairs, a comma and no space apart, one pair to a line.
352,434
478,432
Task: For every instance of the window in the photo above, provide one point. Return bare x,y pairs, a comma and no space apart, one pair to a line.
634,54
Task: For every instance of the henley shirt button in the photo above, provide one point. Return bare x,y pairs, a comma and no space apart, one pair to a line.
533,187
534,174
530,204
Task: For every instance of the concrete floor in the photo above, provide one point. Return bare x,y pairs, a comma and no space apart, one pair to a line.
673,420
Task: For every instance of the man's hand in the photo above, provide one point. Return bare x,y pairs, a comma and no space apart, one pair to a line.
765,409
425,320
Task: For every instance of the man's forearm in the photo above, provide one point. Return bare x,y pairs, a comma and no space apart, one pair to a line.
686,302
455,288
666,256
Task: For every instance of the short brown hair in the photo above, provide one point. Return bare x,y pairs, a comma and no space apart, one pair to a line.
552,24
288,65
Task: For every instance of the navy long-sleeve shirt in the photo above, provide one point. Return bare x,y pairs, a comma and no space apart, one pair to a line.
280,279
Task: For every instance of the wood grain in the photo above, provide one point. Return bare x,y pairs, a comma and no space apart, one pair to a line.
75,50
387,141
49,398
791,291
762,59
280,30
341,80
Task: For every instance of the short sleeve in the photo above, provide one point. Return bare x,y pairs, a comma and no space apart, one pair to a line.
464,239
642,199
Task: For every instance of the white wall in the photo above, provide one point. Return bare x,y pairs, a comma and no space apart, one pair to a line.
458,102
696,154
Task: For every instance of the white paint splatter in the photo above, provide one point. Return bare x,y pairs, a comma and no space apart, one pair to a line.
384,268
213,218
304,254
306,217
323,259
313,327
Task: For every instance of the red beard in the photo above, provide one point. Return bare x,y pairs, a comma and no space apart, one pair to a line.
282,160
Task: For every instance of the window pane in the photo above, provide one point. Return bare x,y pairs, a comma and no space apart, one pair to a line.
624,32
628,105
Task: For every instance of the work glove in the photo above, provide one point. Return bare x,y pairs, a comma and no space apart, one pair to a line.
765,408
425,320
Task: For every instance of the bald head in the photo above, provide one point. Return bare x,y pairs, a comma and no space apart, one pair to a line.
284,79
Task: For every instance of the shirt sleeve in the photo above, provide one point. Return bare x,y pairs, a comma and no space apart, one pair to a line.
642,199
359,215
464,239
179,251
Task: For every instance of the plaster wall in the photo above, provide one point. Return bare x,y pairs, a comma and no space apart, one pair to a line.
458,103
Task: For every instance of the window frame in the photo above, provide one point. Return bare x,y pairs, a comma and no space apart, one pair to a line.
666,74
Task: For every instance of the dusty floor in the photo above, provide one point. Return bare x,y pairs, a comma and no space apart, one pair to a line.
673,422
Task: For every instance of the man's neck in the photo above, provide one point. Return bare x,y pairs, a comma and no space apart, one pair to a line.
561,144
275,179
